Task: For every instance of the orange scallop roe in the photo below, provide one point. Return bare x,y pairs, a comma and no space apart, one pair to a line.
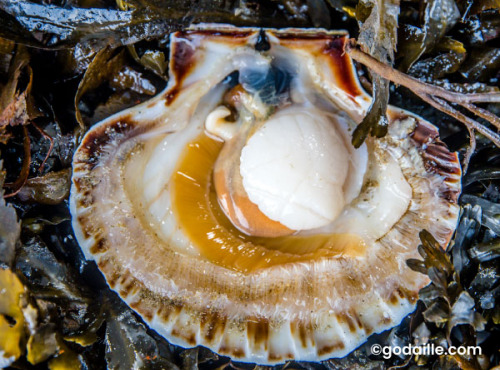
244,214
196,206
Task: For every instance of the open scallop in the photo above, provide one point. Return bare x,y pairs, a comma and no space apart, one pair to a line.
231,211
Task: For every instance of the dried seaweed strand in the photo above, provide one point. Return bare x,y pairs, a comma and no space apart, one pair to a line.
51,147
443,106
483,113
414,84
25,170
403,365
470,150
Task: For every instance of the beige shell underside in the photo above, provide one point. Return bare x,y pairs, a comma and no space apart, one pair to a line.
305,311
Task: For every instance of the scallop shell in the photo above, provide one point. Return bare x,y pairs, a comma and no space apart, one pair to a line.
311,309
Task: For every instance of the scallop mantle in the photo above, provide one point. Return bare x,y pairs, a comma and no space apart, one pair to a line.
309,310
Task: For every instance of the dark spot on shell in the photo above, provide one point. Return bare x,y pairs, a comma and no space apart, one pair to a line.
393,299
79,185
181,62
186,333
258,332
171,95
384,321
304,331
168,310
275,357
451,195
232,352
262,43
93,145
143,308
410,295
347,319
436,156
212,326
401,293
112,278
127,284
341,65
423,134
368,329
330,348
147,314
85,198
86,226
439,150
100,246
358,321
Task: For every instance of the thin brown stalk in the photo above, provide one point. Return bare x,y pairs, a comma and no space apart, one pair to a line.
469,122
414,84
470,150
403,365
483,113
51,147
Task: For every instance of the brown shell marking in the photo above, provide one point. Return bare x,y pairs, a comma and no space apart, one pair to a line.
438,158
327,47
96,140
181,62
183,53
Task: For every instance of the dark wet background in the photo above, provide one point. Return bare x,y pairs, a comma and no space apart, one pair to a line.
65,65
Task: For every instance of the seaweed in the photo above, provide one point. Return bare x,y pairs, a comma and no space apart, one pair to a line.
377,36
438,18
54,26
9,228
